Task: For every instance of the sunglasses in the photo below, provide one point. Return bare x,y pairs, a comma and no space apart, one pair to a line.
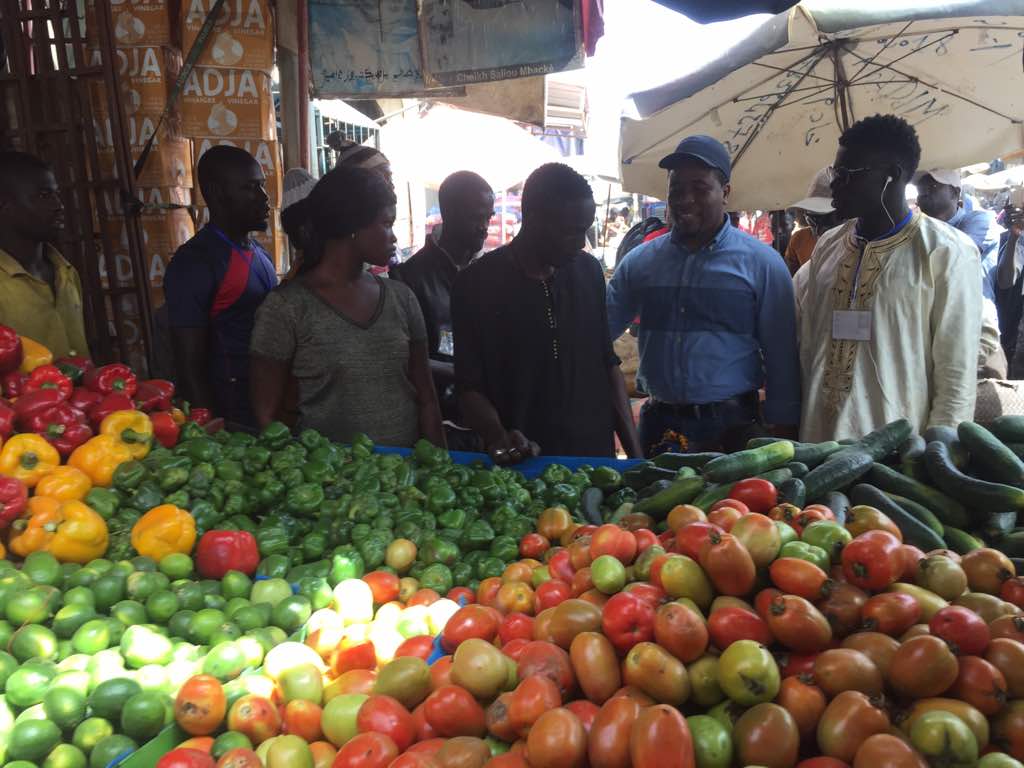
842,175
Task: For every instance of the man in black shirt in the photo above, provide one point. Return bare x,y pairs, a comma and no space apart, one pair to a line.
534,365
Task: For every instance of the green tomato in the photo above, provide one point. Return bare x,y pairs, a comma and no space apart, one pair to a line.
944,739
608,574
712,742
748,673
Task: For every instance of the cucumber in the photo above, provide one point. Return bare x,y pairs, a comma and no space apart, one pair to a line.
919,511
1009,429
949,511
686,472
1017,448
776,476
957,450
980,496
915,469
961,541
839,504
753,461
836,473
680,492
1000,464
914,531
676,461
1012,545
792,491
913,447
590,506
884,441
799,469
811,454
712,494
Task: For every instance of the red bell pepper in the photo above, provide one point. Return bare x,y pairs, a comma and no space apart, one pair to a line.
49,377
84,399
107,406
10,349
165,428
13,384
116,378
154,395
222,551
6,420
63,428
200,416
31,404
74,368
13,499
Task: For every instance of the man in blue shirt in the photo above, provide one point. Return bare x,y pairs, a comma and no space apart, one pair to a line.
216,282
717,317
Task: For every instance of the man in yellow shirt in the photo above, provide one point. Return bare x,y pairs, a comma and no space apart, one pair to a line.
40,292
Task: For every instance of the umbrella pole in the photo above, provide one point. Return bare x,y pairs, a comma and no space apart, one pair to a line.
607,211
843,110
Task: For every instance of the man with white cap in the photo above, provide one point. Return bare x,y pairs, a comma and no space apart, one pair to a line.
938,196
717,317
821,217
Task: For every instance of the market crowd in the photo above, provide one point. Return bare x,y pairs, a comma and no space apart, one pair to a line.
876,312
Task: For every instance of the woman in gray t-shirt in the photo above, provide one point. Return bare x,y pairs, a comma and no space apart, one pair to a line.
355,343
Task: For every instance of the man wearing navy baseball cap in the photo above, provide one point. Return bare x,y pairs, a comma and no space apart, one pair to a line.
717,317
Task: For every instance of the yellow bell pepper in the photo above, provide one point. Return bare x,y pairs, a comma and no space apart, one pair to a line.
33,354
133,429
163,531
98,457
65,484
178,416
29,458
68,530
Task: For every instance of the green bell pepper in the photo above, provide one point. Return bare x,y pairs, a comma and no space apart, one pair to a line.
830,536
156,456
119,545
319,472
230,471
291,477
437,577
275,436
238,523
503,515
179,498
127,476
273,567
314,545
470,497
441,498
316,589
427,454
620,497
450,534
328,453
808,552
304,499
172,478
311,439
362,446
490,567
201,478
373,551
564,494
335,508
363,508
462,574
555,474
452,518
505,548
103,501
346,563
205,515
272,540
477,535
409,530
200,449
607,479
240,439
147,496
192,431
271,493
360,532
439,550
255,459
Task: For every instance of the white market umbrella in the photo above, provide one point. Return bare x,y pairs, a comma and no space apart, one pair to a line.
780,99
430,146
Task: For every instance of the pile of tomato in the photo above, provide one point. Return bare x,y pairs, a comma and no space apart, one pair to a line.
723,641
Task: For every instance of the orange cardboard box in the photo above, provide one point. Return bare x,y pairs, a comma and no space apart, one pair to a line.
136,22
169,163
242,37
267,154
146,75
229,104
272,240
163,232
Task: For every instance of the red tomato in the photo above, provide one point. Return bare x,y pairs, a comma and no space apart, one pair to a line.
585,710
757,494
795,664
424,730
691,538
383,585
627,620
872,561
461,595
424,597
239,757
469,621
654,577
552,593
366,750
349,655
452,711
186,758
1012,591
822,762
533,545
731,502
645,539
728,564
304,718
384,714
514,648
560,565
547,660
964,630
515,626
419,646
200,706
796,576
256,717
612,540
649,593
891,613
724,517
727,625
763,600
487,592
911,557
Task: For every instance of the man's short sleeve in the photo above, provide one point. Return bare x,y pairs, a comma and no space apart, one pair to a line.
274,334
189,286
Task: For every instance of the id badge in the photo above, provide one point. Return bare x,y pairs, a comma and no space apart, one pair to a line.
851,325
446,344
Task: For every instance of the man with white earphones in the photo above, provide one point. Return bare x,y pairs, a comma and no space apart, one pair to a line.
891,308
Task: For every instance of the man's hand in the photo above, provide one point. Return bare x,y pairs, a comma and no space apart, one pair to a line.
1015,220
512,448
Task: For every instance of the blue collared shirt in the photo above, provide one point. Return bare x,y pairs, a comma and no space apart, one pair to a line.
714,323
980,225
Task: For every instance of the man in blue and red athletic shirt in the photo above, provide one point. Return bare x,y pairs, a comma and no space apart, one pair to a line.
216,282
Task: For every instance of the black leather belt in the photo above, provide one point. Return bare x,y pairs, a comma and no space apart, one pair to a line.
706,410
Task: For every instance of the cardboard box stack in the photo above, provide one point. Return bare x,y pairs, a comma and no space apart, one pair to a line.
227,97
